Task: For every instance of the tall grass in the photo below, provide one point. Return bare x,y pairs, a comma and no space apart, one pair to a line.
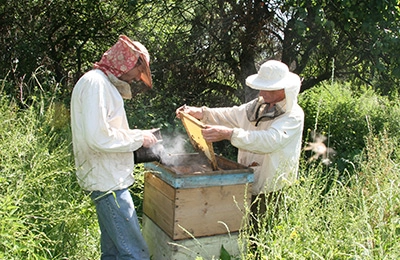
346,116
359,219
43,214
350,212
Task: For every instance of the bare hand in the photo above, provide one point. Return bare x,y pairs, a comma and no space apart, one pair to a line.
149,139
216,133
196,112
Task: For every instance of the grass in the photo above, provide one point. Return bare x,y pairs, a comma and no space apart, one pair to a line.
43,214
324,218
329,214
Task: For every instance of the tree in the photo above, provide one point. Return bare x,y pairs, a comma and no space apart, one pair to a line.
206,49
64,36
202,51
352,39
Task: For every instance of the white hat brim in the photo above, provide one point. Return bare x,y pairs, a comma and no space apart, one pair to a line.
256,82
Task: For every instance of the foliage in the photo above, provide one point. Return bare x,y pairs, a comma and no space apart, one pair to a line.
205,49
65,37
43,214
354,39
346,116
356,219
202,51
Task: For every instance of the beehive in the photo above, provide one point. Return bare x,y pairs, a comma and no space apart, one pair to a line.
192,200
200,194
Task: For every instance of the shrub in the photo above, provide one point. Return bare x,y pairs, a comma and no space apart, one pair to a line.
345,116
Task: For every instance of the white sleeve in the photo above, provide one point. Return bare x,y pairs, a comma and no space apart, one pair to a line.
226,116
104,122
277,136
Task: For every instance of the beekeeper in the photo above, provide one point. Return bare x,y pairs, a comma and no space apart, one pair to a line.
267,130
103,144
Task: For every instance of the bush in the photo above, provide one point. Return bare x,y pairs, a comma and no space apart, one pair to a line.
345,116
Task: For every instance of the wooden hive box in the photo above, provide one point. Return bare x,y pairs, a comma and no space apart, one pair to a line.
192,200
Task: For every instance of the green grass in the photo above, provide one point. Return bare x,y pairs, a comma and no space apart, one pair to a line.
43,213
324,218
351,213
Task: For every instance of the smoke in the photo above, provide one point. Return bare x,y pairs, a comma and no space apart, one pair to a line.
170,148
179,155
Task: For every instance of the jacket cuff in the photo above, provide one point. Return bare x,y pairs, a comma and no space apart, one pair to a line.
206,113
234,137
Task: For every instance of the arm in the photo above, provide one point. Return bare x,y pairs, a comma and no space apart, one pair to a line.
104,124
275,137
224,116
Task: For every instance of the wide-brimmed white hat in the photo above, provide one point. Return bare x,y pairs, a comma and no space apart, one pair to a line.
272,75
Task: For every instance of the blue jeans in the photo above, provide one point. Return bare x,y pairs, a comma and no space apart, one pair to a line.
121,237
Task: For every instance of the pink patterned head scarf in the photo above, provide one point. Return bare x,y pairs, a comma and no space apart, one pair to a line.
123,56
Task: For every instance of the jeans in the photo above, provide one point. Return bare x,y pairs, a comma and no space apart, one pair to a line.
121,237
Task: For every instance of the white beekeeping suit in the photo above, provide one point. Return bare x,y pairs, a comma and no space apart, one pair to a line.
268,139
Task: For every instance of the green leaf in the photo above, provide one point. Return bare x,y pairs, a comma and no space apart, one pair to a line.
224,254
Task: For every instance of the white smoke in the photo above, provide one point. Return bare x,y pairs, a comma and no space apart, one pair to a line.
172,148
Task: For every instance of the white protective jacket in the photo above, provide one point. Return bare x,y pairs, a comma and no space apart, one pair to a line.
102,141
273,146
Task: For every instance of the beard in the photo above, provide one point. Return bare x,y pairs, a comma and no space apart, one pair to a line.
127,90
124,88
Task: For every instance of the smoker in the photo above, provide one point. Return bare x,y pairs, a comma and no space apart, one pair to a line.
143,154
200,195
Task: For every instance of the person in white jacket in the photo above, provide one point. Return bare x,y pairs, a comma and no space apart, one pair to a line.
267,130
103,145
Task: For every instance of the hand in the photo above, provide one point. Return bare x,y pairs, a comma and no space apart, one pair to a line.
196,112
216,133
149,139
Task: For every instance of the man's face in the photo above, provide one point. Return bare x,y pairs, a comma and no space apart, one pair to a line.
132,75
273,96
138,88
